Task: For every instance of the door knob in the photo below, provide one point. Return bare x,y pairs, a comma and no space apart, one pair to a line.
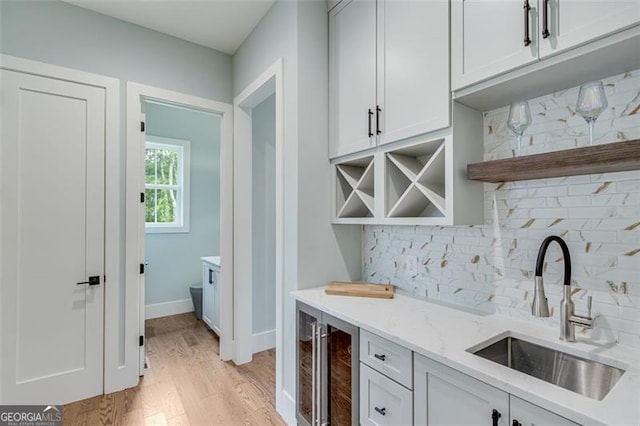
94,280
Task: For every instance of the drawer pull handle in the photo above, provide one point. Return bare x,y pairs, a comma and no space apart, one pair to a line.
382,411
380,357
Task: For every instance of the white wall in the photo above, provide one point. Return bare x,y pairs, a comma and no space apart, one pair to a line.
315,252
491,266
62,34
263,220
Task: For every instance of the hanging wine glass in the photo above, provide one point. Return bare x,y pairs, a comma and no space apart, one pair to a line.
591,102
519,119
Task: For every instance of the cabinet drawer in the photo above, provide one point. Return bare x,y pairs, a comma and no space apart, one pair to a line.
383,401
389,358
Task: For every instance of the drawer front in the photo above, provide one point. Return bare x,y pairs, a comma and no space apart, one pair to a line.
383,401
389,358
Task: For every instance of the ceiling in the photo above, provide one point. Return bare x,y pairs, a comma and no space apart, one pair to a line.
219,24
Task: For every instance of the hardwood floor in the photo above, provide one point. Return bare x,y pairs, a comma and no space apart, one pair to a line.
187,384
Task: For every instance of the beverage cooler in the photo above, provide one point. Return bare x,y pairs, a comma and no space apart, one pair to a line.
328,362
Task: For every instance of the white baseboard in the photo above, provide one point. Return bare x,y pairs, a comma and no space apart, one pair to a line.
263,341
166,309
287,408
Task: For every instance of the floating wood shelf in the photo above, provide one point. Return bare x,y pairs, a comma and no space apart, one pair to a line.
611,157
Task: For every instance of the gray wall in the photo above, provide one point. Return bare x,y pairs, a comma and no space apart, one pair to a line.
263,212
315,252
174,258
62,34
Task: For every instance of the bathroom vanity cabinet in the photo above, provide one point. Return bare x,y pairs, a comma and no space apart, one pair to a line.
211,292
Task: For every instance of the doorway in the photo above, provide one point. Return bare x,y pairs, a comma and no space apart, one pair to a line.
258,220
163,102
182,204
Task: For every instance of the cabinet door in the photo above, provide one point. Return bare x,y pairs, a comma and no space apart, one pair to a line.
383,401
207,294
571,22
340,372
487,38
413,67
215,317
352,76
524,413
446,396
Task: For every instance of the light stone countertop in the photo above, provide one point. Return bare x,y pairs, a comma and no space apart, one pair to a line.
213,260
444,334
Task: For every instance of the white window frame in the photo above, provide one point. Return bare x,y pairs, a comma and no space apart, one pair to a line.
182,147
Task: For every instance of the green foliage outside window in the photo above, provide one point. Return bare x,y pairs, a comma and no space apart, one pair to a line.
161,173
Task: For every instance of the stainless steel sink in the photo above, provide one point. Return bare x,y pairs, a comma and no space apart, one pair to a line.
589,378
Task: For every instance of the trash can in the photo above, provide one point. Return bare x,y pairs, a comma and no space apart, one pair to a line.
196,297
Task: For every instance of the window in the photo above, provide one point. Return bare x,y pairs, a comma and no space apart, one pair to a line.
166,185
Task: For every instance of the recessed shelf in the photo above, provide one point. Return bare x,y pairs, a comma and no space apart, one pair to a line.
606,158
355,188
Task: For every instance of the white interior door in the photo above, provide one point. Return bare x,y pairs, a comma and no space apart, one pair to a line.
51,239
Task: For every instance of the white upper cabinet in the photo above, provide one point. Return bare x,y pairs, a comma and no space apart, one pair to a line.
488,37
352,59
389,71
413,68
570,23
492,37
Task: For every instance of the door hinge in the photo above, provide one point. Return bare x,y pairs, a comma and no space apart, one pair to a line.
141,340
142,126
142,268
142,197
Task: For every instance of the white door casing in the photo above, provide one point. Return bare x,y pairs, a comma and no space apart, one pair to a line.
268,83
136,94
53,231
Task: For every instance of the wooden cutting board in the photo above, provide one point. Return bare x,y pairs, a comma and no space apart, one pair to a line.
379,291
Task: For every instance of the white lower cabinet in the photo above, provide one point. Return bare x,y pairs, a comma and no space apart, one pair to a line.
211,296
444,396
524,413
383,401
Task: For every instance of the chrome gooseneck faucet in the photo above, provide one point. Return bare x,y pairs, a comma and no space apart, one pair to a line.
540,307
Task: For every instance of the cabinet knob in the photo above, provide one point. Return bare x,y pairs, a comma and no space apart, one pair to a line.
516,423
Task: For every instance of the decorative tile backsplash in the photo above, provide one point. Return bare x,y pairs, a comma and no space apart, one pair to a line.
491,266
